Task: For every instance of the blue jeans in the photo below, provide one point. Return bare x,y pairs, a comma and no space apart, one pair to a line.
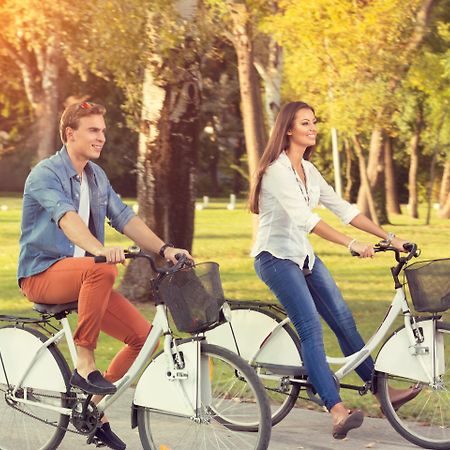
304,298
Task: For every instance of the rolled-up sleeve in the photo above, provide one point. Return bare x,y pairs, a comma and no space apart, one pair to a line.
45,187
117,212
283,186
340,207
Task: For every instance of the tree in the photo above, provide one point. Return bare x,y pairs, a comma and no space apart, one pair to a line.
392,200
414,164
240,25
32,37
431,77
362,50
169,132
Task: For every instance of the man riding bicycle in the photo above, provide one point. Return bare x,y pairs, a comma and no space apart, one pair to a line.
66,200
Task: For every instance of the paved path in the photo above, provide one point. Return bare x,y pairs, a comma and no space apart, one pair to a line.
301,429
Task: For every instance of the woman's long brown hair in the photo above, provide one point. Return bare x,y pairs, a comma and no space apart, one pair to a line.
278,142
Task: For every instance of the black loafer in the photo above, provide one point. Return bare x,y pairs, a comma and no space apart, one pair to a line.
105,436
94,384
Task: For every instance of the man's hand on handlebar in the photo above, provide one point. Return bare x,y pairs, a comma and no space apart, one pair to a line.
171,252
113,255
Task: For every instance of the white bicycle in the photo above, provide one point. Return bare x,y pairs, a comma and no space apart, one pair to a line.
416,355
192,395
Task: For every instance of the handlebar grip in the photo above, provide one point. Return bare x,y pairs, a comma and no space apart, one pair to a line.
183,260
412,249
102,259
99,259
178,256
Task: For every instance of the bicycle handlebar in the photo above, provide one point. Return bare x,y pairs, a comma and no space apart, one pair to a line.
382,246
135,252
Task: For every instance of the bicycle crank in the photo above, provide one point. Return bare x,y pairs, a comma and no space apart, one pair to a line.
85,417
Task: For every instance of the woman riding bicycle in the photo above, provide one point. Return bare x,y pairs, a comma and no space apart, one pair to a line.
286,190
65,202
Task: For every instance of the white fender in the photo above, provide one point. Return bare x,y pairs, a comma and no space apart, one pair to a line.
17,348
157,390
417,363
251,328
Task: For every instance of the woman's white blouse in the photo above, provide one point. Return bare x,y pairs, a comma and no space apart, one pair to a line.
285,210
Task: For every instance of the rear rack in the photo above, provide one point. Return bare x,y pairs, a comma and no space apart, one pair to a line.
20,319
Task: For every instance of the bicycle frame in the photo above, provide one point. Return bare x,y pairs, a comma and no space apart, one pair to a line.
160,326
349,363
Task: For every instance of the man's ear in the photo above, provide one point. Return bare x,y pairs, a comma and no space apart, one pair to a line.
69,133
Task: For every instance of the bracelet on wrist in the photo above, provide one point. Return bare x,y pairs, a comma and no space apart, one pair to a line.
390,237
349,246
163,249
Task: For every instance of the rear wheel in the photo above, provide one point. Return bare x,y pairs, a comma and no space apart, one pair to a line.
424,420
29,426
237,402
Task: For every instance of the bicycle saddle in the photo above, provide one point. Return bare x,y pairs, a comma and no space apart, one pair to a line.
44,308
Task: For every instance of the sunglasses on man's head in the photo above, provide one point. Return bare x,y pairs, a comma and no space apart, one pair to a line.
86,105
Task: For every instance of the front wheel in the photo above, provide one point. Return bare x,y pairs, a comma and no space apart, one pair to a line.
237,400
424,420
257,334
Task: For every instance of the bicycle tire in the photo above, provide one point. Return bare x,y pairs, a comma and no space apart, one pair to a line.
220,423
424,420
282,394
20,430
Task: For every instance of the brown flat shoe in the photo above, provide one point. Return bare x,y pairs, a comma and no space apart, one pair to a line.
406,396
353,420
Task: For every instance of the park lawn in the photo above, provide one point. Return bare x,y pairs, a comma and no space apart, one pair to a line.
225,236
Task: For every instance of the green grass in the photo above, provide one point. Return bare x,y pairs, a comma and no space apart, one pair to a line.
225,236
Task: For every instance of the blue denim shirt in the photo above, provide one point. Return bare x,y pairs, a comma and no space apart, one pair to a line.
51,190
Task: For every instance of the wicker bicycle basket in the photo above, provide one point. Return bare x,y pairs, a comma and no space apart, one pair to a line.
194,297
429,285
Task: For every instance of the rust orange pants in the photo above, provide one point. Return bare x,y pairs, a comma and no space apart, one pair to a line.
100,307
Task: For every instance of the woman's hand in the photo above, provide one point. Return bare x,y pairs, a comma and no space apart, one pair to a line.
170,252
398,244
363,249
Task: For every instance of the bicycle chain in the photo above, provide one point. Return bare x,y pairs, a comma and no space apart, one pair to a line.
43,420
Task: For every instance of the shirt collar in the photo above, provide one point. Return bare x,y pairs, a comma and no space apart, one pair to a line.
70,170
285,161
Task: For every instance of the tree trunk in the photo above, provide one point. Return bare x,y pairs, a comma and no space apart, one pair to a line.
348,171
181,145
444,212
433,166
414,164
168,148
238,180
134,285
365,183
393,204
40,74
271,74
445,184
375,176
251,104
